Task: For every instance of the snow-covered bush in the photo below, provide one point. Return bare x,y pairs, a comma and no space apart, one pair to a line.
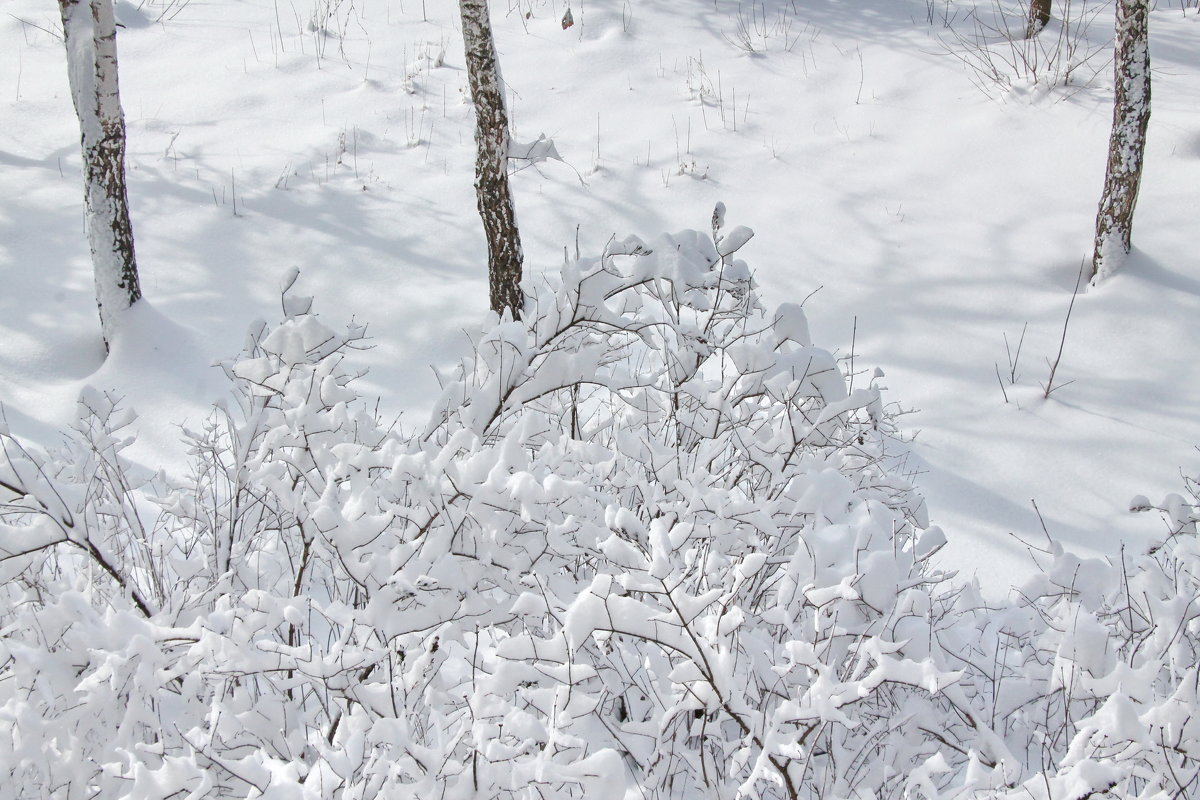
648,538
648,543
1092,677
706,553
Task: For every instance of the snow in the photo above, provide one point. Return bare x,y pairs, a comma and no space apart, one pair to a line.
928,218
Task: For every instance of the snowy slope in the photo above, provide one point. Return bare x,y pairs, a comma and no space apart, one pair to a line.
929,217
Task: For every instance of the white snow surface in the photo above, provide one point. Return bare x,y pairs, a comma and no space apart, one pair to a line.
918,219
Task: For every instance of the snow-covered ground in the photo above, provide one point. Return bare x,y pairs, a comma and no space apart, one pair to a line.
920,218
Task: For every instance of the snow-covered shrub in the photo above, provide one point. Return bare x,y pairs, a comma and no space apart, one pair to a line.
1092,677
140,660
717,554
648,541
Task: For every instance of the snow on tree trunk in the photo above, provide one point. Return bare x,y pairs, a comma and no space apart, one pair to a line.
1127,144
90,33
1039,17
491,164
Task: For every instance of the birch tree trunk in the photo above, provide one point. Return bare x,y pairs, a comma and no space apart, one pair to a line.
1039,17
90,33
1127,144
493,194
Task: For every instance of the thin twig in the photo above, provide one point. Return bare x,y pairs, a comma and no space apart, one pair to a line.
1049,386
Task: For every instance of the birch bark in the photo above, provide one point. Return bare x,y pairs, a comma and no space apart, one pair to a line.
492,191
90,34
1127,143
1039,17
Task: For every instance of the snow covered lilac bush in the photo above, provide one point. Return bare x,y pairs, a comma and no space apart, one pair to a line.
714,546
648,543
648,539
1092,677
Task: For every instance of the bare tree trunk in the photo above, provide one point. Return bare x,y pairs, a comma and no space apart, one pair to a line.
1127,144
1039,17
90,33
491,164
